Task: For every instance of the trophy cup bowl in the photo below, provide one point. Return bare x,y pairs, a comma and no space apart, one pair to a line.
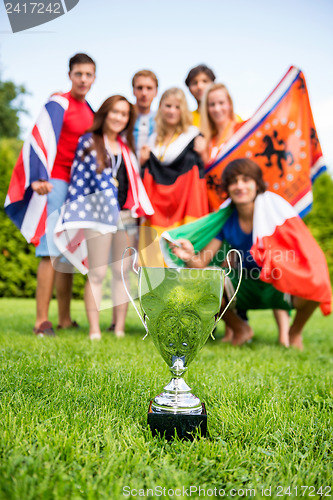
181,307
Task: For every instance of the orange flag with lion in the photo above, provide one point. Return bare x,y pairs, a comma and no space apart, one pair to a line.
281,137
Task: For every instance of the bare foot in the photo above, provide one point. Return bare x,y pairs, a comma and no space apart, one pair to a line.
284,343
95,336
284,340
119,334
228,334
295,339
242,335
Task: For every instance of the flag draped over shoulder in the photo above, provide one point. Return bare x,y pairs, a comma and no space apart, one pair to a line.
281,137
288,255
26,208
92,202
177,189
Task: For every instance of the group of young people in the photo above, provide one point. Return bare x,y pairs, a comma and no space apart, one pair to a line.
124,169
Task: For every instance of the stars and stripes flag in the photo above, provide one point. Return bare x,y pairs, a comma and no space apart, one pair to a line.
92,202
281,137
26,208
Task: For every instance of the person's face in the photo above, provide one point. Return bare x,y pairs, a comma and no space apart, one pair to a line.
198,85
117,118
219,106
82,77
242,189
145,91
170,111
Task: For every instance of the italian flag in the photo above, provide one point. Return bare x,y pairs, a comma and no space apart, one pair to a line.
283,247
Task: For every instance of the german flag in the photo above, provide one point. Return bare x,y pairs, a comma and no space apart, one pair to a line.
176,187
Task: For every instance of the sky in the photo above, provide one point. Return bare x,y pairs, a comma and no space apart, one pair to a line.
249,44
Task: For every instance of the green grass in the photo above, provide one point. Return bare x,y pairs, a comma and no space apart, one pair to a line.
73,413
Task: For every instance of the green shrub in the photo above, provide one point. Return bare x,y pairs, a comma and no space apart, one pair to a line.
320,219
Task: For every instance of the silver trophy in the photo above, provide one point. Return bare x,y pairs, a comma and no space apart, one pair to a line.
181,307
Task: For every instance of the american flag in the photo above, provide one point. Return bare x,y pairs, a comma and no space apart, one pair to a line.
92,203
26,208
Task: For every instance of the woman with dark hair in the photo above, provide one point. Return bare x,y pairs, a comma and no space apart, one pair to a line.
284,267
105,198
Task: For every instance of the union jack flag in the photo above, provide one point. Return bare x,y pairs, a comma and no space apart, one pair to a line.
24,207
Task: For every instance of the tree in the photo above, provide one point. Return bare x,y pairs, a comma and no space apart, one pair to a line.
10,106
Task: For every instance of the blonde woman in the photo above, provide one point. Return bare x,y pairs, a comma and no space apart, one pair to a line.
218,122
173,175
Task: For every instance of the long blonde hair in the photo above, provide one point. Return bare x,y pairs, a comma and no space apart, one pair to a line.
207,126
185,115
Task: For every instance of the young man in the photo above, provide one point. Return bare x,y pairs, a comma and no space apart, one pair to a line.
145,85
197,81
45,164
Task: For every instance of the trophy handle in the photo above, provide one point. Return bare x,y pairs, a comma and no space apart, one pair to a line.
125,286
238,284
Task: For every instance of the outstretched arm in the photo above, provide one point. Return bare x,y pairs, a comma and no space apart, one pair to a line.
199,260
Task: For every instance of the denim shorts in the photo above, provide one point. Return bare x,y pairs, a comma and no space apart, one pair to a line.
55,200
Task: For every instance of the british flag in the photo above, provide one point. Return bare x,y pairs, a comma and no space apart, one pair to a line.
26,208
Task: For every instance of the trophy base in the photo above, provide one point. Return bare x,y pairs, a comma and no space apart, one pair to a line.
184,425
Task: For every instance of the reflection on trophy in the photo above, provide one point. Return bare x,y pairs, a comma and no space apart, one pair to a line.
181,307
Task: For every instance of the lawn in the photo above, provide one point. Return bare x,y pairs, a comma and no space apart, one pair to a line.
73,414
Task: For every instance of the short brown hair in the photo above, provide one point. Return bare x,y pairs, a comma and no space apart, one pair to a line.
202,68
243,166
146,73
80,59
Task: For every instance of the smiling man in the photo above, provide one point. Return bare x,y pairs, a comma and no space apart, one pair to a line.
45,165
197,81
145,85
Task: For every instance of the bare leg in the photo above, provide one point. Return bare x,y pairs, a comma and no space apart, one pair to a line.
45,280
63,284
242,332
305,309
119,297
283,323
98,254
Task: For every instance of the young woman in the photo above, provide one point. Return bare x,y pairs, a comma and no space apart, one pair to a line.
173,175
218,121
284,267
105,198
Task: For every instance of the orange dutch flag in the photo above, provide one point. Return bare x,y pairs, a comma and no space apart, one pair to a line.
281,137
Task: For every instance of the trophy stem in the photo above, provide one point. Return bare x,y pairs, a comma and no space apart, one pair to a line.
177,398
